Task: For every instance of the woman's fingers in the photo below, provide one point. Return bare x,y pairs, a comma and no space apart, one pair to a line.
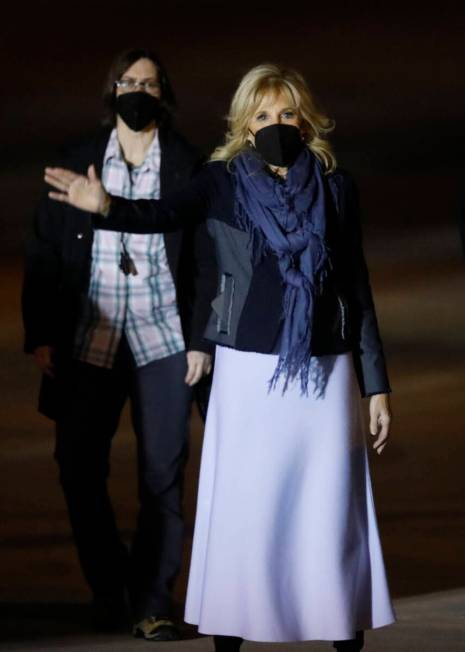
194,373
56,182
383,434
373,423
57,196
381,440
66,176
82,192
92,173
198,364
197,374
191,363
60,178
380,420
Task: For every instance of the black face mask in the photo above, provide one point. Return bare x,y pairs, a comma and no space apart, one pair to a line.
279,144
138,109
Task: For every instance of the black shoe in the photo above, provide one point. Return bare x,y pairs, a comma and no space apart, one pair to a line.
352,645
227,643
156,628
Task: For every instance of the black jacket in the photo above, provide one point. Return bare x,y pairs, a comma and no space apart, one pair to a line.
58,261
247,312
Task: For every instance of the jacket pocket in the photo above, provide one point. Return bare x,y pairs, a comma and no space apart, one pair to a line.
223,304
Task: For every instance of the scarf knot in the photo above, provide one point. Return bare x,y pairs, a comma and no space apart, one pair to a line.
288,218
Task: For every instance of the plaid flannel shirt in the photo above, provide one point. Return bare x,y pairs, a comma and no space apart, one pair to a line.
143,307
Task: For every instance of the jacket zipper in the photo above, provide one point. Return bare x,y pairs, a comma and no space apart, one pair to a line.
342,310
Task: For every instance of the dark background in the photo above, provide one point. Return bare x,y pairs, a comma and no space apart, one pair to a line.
391,77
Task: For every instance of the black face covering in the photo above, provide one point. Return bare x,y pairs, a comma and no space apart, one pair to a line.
279,144
138,109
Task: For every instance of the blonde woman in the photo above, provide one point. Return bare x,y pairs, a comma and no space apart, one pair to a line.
286,545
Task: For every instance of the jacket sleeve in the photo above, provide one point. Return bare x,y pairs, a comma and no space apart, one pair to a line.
42,273
205,280
204,270
185,208
369,360
180,209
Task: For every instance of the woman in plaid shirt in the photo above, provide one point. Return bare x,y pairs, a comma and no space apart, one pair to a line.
110,316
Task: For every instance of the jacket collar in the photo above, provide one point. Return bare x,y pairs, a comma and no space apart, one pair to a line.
100,146
170,159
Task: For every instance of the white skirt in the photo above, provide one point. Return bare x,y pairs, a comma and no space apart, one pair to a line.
286,544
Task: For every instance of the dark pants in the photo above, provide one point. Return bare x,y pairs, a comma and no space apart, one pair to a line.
160,407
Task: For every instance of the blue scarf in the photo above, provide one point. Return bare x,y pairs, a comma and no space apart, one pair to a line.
288,218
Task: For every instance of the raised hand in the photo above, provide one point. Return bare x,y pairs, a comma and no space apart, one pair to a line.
84,192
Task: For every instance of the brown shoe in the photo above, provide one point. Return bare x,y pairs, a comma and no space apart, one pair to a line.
156,628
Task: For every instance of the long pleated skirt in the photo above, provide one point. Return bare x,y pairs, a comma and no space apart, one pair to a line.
286,544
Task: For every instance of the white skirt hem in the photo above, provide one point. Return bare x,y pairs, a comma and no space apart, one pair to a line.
335,636
286,544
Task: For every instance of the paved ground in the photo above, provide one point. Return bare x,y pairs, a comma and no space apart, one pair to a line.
428,623
419,481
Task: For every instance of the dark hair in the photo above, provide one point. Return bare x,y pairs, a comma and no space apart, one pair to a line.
120,64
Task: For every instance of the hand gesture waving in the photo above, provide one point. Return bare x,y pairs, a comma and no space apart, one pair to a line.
84,192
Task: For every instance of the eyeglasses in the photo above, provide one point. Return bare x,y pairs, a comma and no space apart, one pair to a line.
132,84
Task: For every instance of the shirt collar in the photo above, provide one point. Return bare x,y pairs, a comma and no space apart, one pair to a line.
152,157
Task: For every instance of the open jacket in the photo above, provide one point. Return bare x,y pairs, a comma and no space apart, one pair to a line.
58,261
247,311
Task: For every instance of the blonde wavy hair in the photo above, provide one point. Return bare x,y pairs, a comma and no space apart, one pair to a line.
270,78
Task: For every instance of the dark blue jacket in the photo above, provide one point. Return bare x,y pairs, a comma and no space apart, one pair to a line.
247,311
